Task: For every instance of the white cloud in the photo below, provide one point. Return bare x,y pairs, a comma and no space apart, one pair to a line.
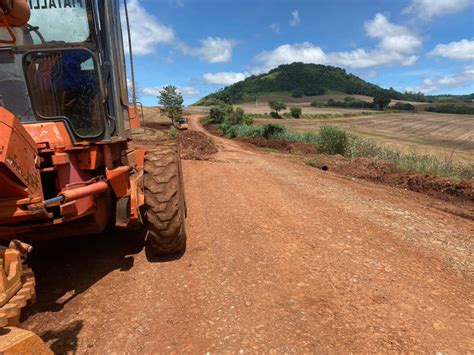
275,27
396,45
427,9
360,58
462,50
188,92
457,80
223,78
146,30
295,18
393,38
288,53
216,50
213,50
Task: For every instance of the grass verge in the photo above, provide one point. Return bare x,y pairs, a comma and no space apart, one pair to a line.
333,140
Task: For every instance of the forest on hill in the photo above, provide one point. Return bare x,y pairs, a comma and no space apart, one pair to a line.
299,79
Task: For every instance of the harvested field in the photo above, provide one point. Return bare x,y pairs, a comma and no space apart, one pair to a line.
306,106
445,136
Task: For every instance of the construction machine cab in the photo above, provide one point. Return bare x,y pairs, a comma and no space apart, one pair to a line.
67,65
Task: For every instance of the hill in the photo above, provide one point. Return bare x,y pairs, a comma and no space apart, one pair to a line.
299,79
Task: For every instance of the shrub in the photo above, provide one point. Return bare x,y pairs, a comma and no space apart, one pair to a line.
273,131
218,114
173,132
381,101
403,106
296,112
244,131
332,140
274,114
277,106
238,117
458,110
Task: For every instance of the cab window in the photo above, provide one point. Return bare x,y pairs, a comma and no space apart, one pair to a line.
64,84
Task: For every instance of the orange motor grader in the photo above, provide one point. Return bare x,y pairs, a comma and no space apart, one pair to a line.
68,165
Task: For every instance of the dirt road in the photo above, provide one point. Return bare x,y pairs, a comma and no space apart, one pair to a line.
280,257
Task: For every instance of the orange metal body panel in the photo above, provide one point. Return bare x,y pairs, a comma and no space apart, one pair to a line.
19,176
18,14
119,178
69,169
50,135
134,116
90,159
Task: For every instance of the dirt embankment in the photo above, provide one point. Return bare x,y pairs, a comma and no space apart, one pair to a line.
196,145
459,192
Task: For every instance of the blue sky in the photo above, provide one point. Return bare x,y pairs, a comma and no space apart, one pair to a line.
203,45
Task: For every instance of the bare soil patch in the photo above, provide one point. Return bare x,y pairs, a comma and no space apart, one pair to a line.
458,192
284,146
196,145
384,172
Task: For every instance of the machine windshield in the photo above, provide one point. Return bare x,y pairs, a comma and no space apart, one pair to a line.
66,21
64,84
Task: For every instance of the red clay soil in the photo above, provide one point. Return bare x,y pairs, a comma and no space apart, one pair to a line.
283,146
281,258
379,171
456,191
196,145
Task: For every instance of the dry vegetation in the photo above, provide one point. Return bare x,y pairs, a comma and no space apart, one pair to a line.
443,135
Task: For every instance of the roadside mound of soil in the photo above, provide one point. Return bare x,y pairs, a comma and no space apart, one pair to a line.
459,192
196,145
387,173
284,146
378,171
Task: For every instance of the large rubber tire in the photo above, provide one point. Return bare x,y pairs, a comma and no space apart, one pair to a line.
164,200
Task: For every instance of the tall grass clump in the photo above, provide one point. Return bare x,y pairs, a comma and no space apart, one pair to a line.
359,147
332,140
244,131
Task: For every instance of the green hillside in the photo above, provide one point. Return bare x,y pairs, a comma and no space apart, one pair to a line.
299,80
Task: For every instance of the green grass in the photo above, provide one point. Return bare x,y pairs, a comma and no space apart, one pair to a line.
426,164
173,132
333,140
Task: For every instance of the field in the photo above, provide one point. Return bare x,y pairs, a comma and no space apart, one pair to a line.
445,136
263,107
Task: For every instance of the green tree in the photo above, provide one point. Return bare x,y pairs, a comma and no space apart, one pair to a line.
296,112
277,106
171,102
381,101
